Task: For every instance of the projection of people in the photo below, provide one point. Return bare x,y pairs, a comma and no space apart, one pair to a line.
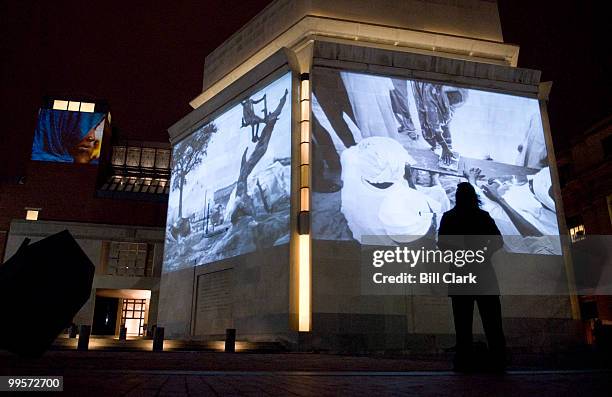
436,105
333,97
68,137
530,207
532,151
488,129
399,104
245,227
249,118
231,196
376,197
370,99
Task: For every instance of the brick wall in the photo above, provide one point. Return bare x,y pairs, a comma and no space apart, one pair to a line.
66,192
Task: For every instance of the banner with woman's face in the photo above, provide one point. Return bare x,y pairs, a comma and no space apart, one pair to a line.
68,137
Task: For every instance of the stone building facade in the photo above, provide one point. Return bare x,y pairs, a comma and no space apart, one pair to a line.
306,290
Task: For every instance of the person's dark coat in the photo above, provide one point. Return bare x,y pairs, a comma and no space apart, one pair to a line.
471,229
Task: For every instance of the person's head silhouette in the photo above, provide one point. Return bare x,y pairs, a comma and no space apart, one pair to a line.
466,197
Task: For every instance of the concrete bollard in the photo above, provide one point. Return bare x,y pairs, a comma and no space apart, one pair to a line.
83,342
73,331
230,340
158,339
303,341
122,333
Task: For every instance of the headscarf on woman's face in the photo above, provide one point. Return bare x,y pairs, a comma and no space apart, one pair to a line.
59,131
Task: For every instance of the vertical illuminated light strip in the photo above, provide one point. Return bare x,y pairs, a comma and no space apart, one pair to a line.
304,265
304,285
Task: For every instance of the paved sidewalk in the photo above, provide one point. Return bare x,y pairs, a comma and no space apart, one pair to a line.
441,383
103,373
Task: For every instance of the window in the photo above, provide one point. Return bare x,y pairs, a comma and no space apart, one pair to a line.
87,107
162,159
74,106
133,156
577,233
133,316
147,159
31,214
137,185
141,157
575,224
144,170
129,259
60,105
118,155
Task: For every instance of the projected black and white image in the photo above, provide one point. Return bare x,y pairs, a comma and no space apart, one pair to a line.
231,182
389,152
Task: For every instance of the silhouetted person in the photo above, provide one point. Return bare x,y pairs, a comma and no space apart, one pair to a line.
467,227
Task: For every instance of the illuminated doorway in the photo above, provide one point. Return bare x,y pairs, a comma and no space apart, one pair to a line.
133,316
131,310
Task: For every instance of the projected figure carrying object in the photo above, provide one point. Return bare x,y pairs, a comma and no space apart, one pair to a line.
399,105
436,105
247,164
249,118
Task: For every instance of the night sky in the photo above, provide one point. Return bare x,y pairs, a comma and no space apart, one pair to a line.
146,59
